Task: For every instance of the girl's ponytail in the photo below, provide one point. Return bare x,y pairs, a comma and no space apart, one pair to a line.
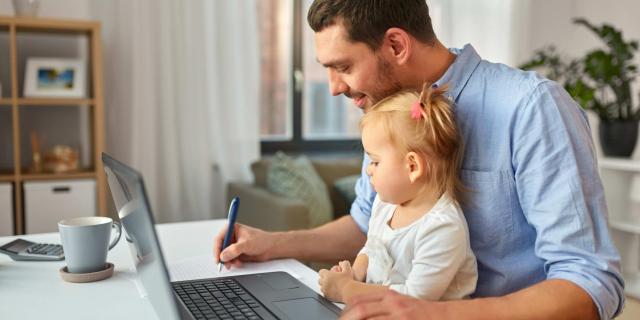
442,138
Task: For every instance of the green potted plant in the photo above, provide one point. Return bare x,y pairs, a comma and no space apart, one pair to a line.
600,81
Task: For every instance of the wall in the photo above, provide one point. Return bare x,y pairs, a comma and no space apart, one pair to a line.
509,31
63,9
526,25
550,22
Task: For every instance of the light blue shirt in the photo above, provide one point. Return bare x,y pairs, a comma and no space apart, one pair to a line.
536,208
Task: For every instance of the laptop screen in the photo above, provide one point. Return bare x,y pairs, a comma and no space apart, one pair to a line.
129,197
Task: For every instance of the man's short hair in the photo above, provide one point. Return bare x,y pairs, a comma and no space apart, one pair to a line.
368,20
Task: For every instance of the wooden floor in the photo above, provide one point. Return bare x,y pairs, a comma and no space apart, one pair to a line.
631,310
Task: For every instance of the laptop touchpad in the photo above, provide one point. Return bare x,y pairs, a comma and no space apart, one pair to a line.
305,308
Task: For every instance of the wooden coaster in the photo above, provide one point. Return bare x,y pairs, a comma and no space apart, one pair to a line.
87,277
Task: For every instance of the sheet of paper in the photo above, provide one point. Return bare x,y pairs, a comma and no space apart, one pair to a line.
204,266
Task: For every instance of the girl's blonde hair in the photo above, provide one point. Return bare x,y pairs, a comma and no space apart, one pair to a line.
424,123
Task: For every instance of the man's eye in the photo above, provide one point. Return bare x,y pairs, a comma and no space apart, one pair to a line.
375,163
342,69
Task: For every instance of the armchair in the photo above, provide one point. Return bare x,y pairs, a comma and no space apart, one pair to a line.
274,212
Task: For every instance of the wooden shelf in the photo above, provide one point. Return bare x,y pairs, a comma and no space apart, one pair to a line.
54,102
48,25
621,164
15,28
48,102
58,176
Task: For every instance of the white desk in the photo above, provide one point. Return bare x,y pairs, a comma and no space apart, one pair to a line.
34,290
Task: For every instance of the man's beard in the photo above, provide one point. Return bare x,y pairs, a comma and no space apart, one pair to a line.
388,83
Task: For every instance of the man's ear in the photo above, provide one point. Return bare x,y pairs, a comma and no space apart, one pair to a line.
415,166
397,43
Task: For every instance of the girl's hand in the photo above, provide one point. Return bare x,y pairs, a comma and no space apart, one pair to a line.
360,268
332,282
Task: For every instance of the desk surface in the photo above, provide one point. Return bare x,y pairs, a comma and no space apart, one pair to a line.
34,290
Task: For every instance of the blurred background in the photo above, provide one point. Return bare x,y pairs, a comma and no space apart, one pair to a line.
200,96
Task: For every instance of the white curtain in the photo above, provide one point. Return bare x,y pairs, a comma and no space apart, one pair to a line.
494,27
181,91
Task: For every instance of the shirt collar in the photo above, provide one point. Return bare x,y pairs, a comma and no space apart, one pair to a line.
460,71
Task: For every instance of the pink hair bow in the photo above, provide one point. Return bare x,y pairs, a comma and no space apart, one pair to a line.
416,110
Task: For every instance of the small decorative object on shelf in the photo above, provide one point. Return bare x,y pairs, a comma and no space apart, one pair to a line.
36,155
26,8
61,159
55,77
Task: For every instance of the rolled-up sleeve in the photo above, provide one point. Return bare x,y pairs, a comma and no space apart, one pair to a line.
562,196
361,206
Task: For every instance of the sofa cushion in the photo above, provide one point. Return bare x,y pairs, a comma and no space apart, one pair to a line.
297,178
346,187
259,169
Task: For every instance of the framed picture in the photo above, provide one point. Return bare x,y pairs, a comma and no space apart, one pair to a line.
55,77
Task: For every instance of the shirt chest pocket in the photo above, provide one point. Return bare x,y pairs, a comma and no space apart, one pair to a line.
488,208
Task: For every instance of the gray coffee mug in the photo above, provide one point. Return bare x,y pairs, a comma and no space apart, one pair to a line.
85,242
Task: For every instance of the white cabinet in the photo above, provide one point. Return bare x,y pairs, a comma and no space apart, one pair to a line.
621,180
6,209
47,202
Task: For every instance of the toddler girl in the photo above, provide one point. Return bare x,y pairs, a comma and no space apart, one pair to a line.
418,239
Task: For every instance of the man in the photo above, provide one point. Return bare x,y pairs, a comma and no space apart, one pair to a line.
536,210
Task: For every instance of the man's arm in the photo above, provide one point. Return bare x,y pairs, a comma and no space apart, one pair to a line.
550,299
340,239
562,197
336,240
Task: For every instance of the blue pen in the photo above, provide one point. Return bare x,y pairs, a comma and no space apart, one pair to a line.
233,213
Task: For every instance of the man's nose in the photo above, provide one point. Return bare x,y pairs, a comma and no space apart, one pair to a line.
336,85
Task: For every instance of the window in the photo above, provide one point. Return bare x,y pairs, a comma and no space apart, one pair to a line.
298,113
325,116
276,38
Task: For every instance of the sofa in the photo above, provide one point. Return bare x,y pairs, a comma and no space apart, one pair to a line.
262,208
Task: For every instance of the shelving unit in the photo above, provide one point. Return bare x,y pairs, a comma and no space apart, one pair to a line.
55,102
621,180
21,31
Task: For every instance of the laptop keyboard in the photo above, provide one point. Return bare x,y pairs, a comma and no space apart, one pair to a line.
218,299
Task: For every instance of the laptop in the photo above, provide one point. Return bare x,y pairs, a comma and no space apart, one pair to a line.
272,295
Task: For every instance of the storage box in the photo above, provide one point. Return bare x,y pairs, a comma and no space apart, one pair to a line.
6,209
48,202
